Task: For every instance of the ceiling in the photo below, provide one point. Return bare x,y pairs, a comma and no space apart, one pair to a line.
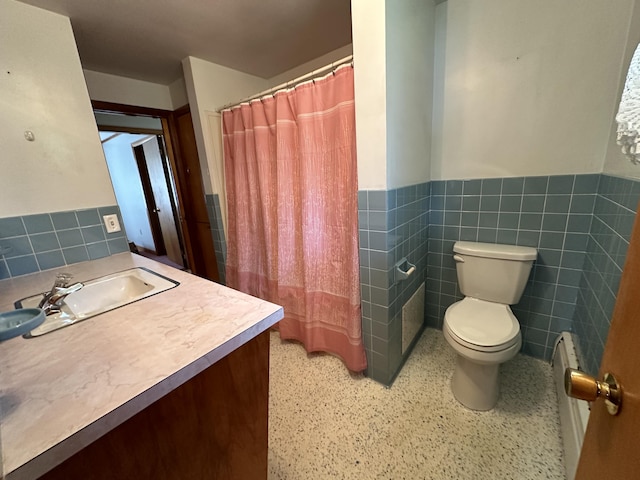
147,39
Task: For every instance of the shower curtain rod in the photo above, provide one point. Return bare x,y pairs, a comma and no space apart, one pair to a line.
291,83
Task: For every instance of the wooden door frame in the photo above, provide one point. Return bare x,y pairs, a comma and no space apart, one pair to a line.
173,154
194,202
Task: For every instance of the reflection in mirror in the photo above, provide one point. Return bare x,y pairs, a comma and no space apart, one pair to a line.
170,191
628,117
143,183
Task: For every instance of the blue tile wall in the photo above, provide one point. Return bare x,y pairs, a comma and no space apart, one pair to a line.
217,232
39,242
613,216
580,225
393,224
550,213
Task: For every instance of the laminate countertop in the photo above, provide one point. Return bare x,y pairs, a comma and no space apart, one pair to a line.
61,391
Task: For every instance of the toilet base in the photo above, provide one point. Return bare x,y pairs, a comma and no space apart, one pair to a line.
475,385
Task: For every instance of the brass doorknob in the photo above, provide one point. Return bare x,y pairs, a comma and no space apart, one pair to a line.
579,385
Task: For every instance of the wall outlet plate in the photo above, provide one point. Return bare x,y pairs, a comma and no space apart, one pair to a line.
111,223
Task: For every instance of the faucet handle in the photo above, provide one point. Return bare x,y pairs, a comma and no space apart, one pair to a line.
62,279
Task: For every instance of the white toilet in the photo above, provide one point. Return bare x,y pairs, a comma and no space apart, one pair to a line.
481,328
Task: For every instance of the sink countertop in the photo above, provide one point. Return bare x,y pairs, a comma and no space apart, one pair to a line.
61,391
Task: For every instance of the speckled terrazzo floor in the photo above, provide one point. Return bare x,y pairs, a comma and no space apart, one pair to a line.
326,423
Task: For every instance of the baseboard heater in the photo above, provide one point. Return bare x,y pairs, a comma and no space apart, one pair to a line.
574,414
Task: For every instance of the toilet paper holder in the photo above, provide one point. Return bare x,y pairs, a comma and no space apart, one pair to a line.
403,270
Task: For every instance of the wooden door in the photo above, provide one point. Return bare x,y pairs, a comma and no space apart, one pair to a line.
154,222
611,446
195,219
181,150
158,177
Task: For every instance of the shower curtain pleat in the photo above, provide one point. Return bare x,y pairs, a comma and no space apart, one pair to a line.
292,187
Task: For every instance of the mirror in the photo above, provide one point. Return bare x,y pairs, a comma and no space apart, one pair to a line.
628,117
55,182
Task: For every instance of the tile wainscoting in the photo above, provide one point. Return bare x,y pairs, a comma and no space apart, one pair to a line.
393,224
580,225
217,233
33,243
550,213
613,216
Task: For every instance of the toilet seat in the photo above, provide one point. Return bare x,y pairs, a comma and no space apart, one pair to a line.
481,325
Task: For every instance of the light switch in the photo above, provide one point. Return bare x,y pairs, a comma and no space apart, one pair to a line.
111,223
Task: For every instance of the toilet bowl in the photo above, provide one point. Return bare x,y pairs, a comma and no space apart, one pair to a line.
481,328
480,351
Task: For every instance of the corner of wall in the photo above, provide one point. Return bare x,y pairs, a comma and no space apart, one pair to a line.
368,32
198,119
178,93
409,67
437,118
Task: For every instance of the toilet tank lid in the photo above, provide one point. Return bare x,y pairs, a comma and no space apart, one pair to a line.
495,250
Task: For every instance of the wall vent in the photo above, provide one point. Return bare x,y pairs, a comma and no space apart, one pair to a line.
412,317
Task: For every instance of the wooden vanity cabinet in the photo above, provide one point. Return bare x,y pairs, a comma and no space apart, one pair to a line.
214,426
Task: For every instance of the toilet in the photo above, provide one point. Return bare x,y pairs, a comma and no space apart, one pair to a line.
481,328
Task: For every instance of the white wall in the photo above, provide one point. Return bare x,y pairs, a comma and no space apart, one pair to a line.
409,50
209,87
615,162
369,48
42,89
178,93
393,50
128,91
439,57
310,66
127,185
528,87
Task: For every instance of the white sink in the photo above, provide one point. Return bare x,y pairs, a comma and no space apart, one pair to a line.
100,295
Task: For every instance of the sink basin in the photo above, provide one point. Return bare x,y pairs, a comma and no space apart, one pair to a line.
100,295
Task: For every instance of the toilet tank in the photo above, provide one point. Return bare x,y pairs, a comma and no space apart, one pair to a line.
493,272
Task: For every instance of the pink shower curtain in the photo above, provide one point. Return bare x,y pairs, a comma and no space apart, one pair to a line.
291,179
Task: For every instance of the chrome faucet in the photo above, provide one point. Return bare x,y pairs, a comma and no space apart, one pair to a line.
52,301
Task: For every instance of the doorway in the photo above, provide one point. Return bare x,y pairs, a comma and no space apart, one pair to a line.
144,189
159,188
143,186
164,158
